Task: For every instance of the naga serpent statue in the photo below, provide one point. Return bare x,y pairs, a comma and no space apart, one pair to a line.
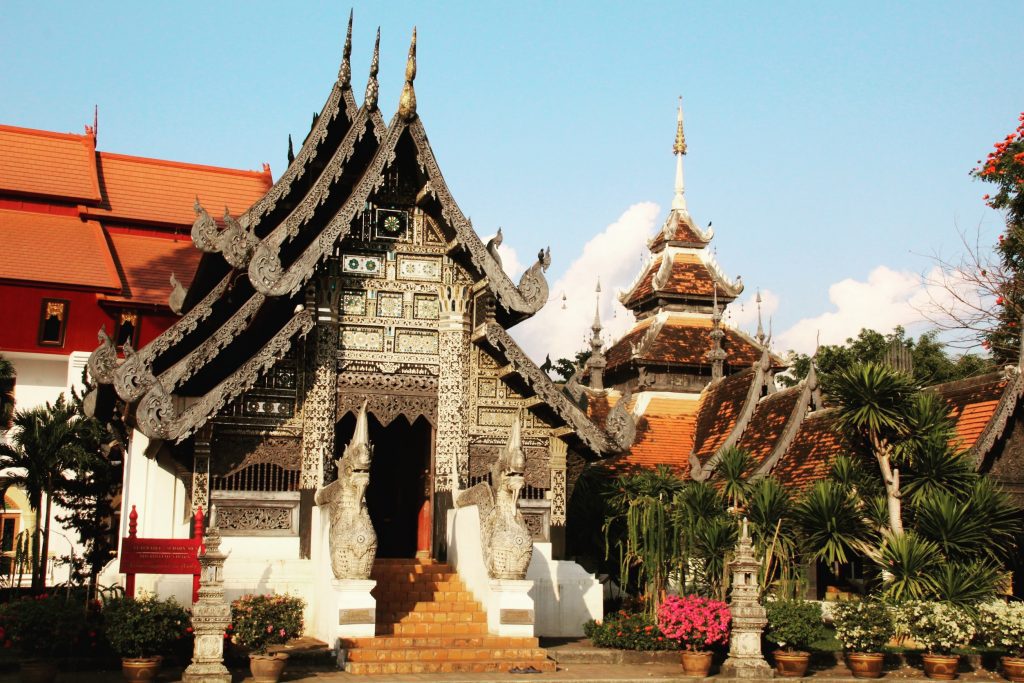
353,543
507,542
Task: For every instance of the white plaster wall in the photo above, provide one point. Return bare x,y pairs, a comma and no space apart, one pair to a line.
565,595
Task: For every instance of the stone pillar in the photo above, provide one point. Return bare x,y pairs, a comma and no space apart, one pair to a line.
559,498
357,608
201,469
451,463
510,608
210,615
748,616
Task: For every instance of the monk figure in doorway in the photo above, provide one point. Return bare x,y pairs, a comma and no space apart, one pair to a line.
353,543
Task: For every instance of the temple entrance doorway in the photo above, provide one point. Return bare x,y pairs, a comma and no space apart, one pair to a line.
398,497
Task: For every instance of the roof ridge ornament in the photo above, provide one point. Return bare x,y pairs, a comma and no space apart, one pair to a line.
717,354
372,87
407,102
679,149
760,327
597,362
345,72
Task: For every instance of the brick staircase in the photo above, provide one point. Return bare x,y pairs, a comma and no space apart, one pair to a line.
428,622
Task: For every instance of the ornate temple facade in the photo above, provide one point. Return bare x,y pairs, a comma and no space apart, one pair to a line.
354,280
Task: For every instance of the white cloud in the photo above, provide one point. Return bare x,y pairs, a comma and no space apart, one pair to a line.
614,256
742,313
886,299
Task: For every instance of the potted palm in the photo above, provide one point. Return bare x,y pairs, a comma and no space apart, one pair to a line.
939,628
696,623
863,628
793,625
261,622
1001,627
41,629
141,630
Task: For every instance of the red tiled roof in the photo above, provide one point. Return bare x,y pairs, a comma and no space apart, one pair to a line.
689,276
720,407
809,458
682,230
682,341
164,192
42,163
57,249
664,436
767,423
973,403
147,264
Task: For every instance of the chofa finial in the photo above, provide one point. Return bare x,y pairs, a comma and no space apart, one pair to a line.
407,103
760,327
372,87
345,72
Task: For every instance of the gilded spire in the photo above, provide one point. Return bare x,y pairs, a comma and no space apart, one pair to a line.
345,72
407,103
679,149
372,87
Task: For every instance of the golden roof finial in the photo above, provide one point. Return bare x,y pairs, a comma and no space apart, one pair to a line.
345,72
372,87
680,146
407,103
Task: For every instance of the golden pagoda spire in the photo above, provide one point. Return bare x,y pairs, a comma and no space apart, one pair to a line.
407,103
372,87
345,72
679,149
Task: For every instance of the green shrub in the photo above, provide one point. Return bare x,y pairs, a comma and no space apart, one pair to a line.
938,627
145,626
794,624
1001,627
863,626
259,621
43,626
628,631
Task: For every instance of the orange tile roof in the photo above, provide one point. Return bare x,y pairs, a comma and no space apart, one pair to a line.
40,247
767,423
682,341
720,406
973,403
147,264
664,436
682,230
143,190
42,163
809,458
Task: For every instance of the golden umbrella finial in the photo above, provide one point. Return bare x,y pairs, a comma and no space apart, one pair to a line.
345,72
372,87
680,146
407,103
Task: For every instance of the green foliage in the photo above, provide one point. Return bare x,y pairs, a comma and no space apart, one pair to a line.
628,631
713,543
7,376
566,368
966,584
939,628
1001,627
43,626
145,626
932,364
794,624
770,512
952,525
937,470
909,559
733,468
831,522
863,626
873,401
259,621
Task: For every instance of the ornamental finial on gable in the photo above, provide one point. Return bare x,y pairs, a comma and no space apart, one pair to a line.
680,146
679,149
345,72
372,87
407,103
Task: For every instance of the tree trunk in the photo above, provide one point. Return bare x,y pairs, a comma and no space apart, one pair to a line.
46,545
891,479
37,576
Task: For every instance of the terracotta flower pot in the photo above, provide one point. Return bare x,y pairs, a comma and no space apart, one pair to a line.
267,668
791,664
140,668
1013,669
696,662
941,667
38,671
865,664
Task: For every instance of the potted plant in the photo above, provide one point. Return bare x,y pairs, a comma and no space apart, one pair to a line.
696,623
41,629
141,630
793,625
863,627
1001,627
259,622
938,628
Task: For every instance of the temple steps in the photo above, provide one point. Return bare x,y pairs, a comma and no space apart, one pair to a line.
429,622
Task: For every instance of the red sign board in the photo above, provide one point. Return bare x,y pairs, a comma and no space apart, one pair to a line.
160,555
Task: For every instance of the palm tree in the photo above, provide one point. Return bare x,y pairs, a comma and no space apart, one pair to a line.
7,375
42,445
733,467
832,522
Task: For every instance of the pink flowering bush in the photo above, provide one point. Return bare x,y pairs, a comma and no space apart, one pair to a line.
259,621
695,622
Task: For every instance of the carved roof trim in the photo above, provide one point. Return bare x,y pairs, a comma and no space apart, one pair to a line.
997,425
158,414
790,430
596,439
532,292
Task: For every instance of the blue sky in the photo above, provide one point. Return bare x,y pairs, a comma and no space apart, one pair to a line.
826,139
